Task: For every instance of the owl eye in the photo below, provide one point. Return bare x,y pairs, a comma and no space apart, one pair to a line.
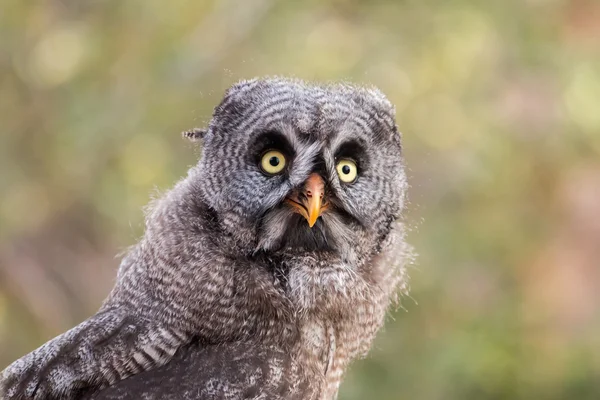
272,162
347,170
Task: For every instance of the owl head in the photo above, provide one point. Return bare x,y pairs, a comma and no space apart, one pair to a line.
290,166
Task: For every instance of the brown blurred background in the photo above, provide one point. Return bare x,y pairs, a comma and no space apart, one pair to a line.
499,103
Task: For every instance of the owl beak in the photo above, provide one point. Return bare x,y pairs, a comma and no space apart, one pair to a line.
314,189
310,203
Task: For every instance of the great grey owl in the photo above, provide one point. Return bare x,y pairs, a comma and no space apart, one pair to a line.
261,274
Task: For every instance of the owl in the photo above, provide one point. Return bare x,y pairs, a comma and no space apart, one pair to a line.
263,273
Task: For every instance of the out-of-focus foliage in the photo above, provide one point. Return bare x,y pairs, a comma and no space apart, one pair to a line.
499,103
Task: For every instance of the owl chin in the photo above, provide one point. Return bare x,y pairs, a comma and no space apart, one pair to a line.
299,235
284,230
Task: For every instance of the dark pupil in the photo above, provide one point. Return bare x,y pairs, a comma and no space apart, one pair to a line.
346,169
274,161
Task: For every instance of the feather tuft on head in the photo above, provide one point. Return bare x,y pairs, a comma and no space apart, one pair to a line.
195,134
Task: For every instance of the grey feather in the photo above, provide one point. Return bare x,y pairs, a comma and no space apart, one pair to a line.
230,294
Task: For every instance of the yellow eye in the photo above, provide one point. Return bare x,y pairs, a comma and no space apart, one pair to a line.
272,162
347,170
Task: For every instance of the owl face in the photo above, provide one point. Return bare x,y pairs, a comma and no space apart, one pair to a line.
302,167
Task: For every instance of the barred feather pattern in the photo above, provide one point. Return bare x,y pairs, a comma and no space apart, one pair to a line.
229,294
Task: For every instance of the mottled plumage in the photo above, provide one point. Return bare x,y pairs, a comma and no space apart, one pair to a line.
231,293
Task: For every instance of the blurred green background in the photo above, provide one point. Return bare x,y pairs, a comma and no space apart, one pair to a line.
499,103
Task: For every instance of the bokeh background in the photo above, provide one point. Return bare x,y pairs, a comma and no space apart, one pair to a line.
499,103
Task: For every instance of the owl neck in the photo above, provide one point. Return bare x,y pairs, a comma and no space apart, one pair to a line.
339,326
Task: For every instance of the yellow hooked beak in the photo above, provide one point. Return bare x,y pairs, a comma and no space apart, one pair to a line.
310,203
